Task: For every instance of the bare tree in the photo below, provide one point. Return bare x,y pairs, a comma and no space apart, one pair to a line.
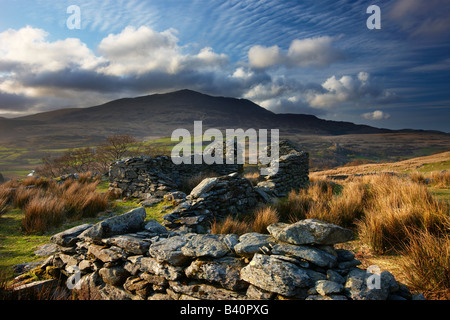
119,146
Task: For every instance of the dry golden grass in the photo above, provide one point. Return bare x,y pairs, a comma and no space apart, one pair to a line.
426,264
394,208
409,165
440,179
41,213
262,218
325,200
47,203
229,226
3,206
295,207
343,209
253,177
256,221
23,195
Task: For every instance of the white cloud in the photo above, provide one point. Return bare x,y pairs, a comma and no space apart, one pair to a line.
311,52
134,60
349,89
28,48
261,57
376,115
139,51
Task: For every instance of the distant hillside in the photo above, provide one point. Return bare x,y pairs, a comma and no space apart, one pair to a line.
160,114
435,162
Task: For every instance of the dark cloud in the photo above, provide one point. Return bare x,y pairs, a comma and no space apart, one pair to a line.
13,102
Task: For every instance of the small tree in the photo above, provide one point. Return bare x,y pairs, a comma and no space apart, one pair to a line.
118,146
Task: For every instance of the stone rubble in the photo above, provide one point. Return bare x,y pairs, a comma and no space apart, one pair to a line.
156,263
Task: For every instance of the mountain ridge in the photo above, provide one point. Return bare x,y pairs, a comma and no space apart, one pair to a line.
160,114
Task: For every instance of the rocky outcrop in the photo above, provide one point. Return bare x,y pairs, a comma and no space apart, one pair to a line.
156,263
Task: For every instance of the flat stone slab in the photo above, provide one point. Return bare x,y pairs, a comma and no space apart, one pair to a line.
204,186
131,221
275,275
310,231
205,245
69,237
169,250
251,243
128,243
47,250
309,253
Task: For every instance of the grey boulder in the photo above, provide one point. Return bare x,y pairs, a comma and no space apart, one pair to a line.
275,275
126,223
69,237
310,231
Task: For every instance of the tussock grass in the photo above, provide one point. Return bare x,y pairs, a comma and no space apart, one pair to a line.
391,214
256,221
262,218
253,177
3,206
46,203
325,200
43,212
230,225
426,263
441,179
397,206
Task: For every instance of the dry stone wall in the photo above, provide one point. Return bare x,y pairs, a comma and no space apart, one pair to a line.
213,199
126,257
144,177
228,193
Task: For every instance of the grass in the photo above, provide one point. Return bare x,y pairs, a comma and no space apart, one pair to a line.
398,223
396,208
427,263
17,243
256,220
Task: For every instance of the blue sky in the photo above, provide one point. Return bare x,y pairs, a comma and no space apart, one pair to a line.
315,57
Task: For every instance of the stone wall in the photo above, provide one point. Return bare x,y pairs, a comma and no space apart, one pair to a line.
147,177
213,199
292,173
144,177
126,257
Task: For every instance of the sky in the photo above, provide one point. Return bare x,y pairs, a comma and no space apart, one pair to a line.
313,57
